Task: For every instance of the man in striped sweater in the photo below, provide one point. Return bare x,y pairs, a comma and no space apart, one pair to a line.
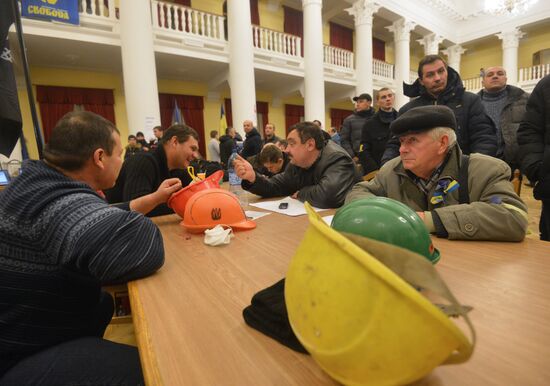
59,242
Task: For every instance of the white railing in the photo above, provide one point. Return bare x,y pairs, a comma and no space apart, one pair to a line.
338,57
276,42
533,73
174,17
472,84
98,8
382,69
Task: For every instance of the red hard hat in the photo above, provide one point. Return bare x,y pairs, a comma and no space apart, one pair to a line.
208,208
179,199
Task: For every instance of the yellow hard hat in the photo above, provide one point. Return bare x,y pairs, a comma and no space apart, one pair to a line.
361,322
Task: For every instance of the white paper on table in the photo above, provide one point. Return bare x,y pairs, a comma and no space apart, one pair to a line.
328,219
254,214
295,207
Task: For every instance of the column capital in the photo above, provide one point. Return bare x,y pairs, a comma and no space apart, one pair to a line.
454,51
363,10
431,43
401,29
510,39
305,3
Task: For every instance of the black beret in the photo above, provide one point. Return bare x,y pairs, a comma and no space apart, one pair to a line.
423,118
363,96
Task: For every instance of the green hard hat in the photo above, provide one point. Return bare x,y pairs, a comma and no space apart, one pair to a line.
386,220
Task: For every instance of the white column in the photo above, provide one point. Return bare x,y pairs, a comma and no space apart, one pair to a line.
362,10
510,44
241,63
138,66
431,43
401,31
314,81
453,56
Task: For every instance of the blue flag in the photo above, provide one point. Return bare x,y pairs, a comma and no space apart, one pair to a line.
62,11
177,116
10,114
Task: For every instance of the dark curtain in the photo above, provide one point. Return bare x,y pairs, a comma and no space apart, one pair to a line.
228,112
294,24
55,102
378,49
254,12
337,116
293,115
261,108
341,37
191,107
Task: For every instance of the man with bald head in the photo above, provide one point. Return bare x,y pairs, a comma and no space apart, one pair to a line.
505,105
253,143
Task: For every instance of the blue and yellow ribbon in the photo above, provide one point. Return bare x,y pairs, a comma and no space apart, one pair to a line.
443,188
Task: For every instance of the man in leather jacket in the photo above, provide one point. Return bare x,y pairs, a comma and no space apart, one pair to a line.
320,171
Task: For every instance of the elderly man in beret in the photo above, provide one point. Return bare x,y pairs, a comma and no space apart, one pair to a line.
457,196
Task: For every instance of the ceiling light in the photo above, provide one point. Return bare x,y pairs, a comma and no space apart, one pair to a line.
515,7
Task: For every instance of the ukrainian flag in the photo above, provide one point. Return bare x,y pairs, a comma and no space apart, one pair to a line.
223,121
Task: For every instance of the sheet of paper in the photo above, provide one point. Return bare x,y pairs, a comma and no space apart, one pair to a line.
295,207
328,219
254,214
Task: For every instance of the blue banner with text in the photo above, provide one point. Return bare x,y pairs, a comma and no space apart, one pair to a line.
64,11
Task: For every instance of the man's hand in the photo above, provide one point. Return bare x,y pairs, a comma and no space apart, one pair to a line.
295,195
356,159
147,203
244,170
166,189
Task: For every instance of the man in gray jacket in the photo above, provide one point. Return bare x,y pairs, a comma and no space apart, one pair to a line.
433,177
320,171
505,105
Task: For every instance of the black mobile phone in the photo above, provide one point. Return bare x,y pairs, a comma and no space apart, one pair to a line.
283,205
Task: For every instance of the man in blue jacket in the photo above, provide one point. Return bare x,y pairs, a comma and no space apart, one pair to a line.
439,84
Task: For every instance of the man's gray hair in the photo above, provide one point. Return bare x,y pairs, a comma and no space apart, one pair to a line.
438,132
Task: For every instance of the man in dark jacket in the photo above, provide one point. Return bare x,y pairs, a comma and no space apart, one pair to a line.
143,173
505,105
269,134
59,242
352,127
320,171
227,144
534,149
253,142
376,131
438,84
273,160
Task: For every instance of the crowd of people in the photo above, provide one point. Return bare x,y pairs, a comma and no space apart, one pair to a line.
78,219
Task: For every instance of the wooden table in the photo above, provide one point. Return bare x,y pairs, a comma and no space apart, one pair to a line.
190,330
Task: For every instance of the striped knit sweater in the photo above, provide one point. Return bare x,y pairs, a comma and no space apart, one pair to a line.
59,241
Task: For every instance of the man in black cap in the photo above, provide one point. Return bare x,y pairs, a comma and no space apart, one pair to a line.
352,127
433,177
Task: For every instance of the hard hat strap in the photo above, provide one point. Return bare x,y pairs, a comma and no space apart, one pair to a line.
419,272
